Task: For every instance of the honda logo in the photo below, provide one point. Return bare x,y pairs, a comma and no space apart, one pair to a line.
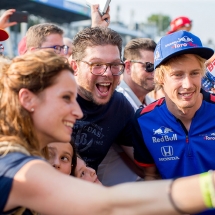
167,151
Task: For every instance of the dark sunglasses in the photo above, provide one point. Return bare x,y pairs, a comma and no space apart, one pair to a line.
149,67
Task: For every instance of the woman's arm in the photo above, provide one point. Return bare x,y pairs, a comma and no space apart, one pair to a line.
40,187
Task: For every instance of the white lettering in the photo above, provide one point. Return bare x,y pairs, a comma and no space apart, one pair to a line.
209,138
180,45
164,138
171,43
174,137
169,158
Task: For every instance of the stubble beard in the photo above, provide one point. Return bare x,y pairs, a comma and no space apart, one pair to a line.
147,87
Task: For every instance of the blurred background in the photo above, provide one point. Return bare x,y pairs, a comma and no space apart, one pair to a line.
130,18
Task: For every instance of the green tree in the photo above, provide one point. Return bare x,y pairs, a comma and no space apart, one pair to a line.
162,21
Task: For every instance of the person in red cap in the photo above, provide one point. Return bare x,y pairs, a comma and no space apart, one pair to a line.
4,23
3,35
180,23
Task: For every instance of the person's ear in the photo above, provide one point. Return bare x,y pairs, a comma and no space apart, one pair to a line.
74,65
128,67
32,49
27,99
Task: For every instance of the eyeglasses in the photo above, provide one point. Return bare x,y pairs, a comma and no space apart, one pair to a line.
149,67
57,48
100,68
1,48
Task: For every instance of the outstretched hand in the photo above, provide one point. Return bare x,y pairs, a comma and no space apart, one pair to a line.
4,19
97,19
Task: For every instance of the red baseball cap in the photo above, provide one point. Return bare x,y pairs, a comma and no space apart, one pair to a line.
178,23
3,35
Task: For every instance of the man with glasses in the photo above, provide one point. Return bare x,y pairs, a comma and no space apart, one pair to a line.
43,36
107,116
138,78
138,81
68,42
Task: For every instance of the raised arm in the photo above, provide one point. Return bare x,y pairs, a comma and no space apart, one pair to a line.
40,187
97,19
4,19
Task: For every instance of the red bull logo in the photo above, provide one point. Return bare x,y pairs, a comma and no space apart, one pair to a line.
185,39
162,130
165,134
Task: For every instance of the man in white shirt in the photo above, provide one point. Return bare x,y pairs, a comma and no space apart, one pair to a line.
138,77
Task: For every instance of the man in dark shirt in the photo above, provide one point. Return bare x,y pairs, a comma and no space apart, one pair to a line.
107,114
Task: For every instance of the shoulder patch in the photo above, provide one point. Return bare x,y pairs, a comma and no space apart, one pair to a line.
152,106
212,98
208,97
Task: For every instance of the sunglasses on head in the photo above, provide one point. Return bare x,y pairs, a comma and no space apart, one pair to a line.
149,67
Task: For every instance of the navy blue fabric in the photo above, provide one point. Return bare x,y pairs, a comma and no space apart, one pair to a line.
101,126
9,166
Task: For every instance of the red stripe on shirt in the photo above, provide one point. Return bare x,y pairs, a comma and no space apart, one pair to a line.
152,106
212,98
143,164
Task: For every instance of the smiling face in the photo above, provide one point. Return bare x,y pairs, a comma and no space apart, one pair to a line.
182,84
85,173
140,78
56,110
97,89
60,156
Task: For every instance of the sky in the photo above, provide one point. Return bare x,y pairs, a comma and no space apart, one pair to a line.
201,12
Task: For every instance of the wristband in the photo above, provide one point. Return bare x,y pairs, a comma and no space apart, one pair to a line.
207,189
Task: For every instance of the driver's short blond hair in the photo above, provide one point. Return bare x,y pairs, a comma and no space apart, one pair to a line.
165,67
